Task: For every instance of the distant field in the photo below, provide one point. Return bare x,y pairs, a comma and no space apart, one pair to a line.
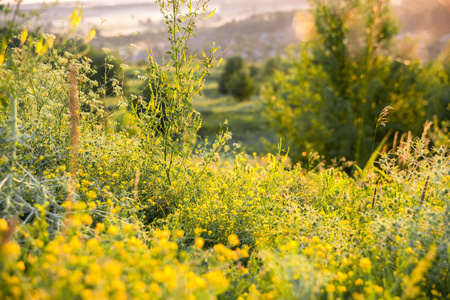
245,119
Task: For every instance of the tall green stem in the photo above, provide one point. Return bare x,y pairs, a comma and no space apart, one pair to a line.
13,121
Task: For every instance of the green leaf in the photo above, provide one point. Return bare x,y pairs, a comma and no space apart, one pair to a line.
376,153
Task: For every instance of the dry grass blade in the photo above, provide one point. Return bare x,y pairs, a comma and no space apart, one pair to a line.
136,183
394,144
424,190
373,197
426,128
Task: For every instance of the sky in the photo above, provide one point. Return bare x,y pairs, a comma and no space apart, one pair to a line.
80,1
112,1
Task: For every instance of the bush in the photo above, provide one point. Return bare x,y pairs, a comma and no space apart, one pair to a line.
242,86
330,99
237,80
233,65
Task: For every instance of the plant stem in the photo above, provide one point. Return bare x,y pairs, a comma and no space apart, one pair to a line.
13,121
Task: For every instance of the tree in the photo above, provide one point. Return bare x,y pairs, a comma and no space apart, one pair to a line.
329,101
237,79
242,85
233,65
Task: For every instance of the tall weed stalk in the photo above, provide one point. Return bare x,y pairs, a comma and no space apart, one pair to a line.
168,119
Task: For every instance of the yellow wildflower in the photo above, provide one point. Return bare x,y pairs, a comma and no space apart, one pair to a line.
155,289
139,286
112,230
217,280
3,225
365,263
90,36
10,250
87,294
112,269
359,281
330,288
128,228
308,251
23,35
100,227
233,240
341,276
342,289
199,242
75,18
91,195
358,296
118,285
86,219
20,265
315,240
411,290
378,289
92,243
409,250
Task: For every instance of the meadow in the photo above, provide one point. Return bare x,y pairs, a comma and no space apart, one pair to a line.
132,203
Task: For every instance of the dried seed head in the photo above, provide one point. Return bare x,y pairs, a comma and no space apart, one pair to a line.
382,120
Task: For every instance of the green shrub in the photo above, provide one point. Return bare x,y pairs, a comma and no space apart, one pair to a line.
242,85
237,80
329,100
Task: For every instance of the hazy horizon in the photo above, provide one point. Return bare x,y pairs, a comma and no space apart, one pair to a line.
425,22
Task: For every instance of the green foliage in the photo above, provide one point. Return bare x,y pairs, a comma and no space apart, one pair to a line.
330,99
105,71
242,86
237,80
233,64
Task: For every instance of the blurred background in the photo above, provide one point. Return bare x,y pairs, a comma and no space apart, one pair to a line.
258,29
316,74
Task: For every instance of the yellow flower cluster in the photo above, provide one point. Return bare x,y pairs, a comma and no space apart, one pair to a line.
228,254
113,264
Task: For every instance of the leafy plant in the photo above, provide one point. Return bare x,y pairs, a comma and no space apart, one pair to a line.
330,99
